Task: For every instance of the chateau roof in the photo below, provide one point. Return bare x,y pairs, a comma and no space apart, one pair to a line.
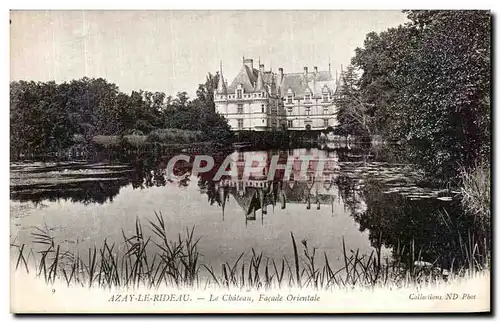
298,83
246,77
259,85
221,87
252,80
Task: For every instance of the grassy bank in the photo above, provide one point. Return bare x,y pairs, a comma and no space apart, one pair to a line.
156,260
161,136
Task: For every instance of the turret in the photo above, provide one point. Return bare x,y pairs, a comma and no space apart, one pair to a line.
259,85
248,62
280,76
221,87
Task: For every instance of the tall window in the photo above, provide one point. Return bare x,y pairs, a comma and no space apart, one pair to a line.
290,123
325,122
325,97
308,111
239,93
240,123
263,109
290,99
240,108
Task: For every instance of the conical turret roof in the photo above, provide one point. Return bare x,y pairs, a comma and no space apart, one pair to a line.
221,87
259,85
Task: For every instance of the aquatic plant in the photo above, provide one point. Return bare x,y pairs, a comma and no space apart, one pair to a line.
157,261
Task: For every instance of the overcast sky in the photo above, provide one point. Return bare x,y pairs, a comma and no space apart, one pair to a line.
172,51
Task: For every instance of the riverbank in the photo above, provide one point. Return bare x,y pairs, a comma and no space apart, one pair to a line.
153,260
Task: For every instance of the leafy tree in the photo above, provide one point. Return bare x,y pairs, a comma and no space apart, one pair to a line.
354,115
431,86
48,117
205,92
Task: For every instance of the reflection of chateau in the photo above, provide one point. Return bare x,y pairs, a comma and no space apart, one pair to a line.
262,100
296,157
254,195
257,192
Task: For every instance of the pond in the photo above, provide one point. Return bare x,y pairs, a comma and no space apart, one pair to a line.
367,199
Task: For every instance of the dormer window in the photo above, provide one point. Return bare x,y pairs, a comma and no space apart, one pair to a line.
307,98
289,99
239,93
325,97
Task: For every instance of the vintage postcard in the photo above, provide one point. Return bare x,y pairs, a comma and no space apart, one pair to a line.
250,161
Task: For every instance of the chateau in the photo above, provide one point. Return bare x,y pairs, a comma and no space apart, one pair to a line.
261,100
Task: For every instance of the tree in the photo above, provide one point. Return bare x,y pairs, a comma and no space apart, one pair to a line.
378,60
353,114
205,92
47,117
431,86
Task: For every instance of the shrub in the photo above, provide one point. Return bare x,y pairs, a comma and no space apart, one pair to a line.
476,191
106,141
174,136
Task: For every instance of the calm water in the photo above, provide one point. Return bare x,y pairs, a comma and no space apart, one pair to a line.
366,197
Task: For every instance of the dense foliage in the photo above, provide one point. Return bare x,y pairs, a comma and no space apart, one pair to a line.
45,116
352,113
428,82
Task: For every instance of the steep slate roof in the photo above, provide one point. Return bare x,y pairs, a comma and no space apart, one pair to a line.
246,77
249,79
259,85
298,83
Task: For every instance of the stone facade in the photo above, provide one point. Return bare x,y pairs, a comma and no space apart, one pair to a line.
261,100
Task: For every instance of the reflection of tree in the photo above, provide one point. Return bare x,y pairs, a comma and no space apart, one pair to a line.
347,191
422,228
208,187
151,171
92,191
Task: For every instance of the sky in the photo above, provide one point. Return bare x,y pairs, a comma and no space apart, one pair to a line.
172,51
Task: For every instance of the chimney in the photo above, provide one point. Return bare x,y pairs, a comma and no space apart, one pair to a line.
248,62
305,70
280,75
315,70
261,68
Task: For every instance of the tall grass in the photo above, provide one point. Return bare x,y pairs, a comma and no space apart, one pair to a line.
476,191
175,136
476,200
163,136
156,261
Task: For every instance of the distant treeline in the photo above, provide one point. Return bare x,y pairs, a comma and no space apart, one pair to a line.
48,117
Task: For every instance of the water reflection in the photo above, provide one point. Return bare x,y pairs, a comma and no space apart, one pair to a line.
382,194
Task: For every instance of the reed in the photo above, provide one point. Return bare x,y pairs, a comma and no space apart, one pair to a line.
156,261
